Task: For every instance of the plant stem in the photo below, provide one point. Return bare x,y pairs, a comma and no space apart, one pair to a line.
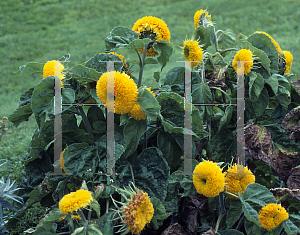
85,222
229,49
142,64
86,122
218,223
107,205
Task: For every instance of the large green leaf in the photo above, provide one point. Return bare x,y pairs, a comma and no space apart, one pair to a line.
133,131
42,103
106,223
290,228
255,109
283,95
226,118
85,74
264,43
21,114
99,65
159,213
256,85
170,149
32,68
120,37
272,81
150,171
222,146
204,35
165,50
138,43
234,212
226,39
229,232
252,228
148,104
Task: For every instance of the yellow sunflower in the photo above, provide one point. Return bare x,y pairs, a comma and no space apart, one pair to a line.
288,61
208,179
54,68
272,215
246,56
125,91
137,210
75,200
192,52
235,183
274,42
61,160
198,14
77,217
137,112
153,28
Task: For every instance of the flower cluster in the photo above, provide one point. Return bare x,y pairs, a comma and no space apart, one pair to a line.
272,215
192,52
208,179
237,179
243,55
198,15
75,200
153,28
54,68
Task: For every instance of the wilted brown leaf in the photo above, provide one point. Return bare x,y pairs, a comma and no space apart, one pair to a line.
291,123
174,229
211,231
293,182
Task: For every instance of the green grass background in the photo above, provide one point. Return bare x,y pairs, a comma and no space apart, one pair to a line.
42,30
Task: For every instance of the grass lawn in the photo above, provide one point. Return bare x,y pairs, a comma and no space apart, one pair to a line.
42,30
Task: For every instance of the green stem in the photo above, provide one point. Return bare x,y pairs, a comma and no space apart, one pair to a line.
218,222
229,49
86,122
85,222
142,64
107,205
215,40
240,223
1,215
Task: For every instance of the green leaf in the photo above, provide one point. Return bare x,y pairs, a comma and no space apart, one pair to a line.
234,212
187,184
42,102
150,61
226,40
20,115
84,74
290,228
26,97
226,118
98,63
170,149
32,68
252,228
260,56
138,43
230,232
201,94
165,50
222,146
106,223
96,207
151,172
204,35
264,43
148,104
283,95
256,108
93,229
159,213
120,37
272,81
78,158
256,85
68,96
133,131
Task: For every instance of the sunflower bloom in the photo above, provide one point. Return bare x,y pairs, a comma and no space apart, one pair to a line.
272,215
125,92
235,183
246,56
77,217
198,14
208,179
61,160
192,52
137,112
274,42
74,201
153,28
138,213
288,61
54,68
